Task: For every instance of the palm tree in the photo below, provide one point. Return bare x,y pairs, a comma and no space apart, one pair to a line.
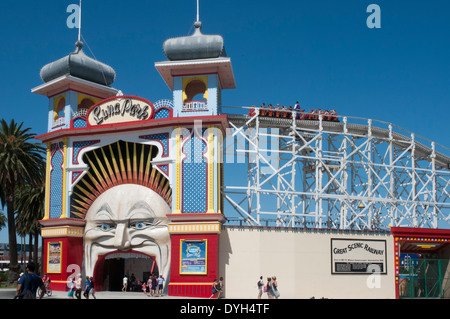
30,201
20,163
2,220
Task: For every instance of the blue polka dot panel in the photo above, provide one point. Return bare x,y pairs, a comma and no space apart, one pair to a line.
163,139
78,147
79,122
56,180
194,175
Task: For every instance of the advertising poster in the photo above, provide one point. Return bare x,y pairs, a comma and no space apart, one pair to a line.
193,257
353,256
54,257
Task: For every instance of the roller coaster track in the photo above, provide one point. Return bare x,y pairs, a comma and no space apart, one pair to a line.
352,174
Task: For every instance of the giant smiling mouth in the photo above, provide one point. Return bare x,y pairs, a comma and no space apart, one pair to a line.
133,255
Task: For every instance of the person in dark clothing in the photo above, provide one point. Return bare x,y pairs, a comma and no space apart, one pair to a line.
92,287
29,282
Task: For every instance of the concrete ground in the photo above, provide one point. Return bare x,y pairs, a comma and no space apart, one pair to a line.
6,293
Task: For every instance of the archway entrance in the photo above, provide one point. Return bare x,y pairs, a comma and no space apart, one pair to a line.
422,263
111,270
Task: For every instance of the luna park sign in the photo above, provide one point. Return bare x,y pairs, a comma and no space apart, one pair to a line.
120,109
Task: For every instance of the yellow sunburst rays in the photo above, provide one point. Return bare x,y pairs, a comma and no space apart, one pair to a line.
141,167
123,170
110,170
130,169
116,168
122,165
167,192
135,167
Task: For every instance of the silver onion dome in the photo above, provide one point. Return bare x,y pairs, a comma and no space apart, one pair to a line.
79,65
195,46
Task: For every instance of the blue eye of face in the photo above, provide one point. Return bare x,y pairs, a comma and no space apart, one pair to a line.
139,225
105,227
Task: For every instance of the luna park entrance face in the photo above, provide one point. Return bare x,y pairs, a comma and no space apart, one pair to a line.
136,267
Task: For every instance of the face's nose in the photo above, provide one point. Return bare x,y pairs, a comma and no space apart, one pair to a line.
122,240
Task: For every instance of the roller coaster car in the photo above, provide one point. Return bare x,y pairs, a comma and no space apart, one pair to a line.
287,114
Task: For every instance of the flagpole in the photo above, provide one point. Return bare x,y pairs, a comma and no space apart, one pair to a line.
79,24
198,11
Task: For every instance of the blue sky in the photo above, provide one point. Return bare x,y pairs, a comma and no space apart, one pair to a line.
318,52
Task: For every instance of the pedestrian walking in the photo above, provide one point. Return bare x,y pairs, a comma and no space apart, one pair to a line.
154,285
275,291
87,287
71,288
220,287
160,285
92,287
29,283
149,286
214,289
260,287
78,286
269,290
124,283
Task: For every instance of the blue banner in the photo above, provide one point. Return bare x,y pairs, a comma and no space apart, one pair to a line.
193,257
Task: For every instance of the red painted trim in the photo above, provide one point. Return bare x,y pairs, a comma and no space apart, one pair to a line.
164,108
421,232
59,222
192,133
52,167
413,235
192,290
221,120
144,137
396,267
75,160
76,172
163,171
71,259
212,259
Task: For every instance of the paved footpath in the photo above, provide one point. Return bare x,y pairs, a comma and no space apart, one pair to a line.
9,294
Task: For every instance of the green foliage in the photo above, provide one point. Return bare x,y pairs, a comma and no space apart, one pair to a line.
3,220
29,203
21,164
20,160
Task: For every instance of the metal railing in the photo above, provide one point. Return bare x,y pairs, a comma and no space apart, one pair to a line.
194,106
349,174
424,278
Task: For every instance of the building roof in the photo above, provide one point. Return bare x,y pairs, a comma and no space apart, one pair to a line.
195,46
79,65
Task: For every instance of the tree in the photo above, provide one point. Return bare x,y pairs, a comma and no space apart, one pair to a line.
30,201
2,220
20,163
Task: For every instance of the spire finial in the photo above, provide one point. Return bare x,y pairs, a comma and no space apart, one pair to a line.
198,10
79,25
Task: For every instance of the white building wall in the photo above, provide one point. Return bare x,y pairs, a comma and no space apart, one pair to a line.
301,261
